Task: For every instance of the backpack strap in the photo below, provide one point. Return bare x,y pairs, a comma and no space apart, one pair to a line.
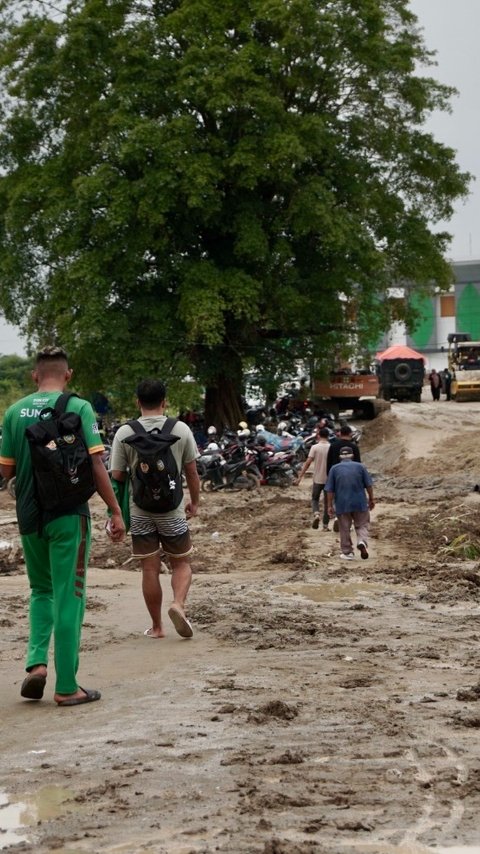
139,429
168,426
62,401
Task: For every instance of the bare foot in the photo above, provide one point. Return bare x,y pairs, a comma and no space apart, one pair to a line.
38,670
154,633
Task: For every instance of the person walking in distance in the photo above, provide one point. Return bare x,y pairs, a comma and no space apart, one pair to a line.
318,456
164,532
350,486
447,383
435,384
344,439
56,543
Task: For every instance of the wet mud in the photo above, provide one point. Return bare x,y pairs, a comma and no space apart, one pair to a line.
322,706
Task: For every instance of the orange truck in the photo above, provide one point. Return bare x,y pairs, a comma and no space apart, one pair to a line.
350,390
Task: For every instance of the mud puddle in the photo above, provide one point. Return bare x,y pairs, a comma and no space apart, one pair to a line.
334,592
16,816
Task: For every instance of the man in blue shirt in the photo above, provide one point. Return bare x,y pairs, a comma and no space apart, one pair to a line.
347,488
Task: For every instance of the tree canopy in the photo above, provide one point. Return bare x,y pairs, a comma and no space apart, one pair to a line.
15,380
198,188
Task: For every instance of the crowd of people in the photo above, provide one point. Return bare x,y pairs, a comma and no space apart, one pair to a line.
56,543
347,489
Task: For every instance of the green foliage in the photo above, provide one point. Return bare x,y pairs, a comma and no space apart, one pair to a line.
187,185
15,380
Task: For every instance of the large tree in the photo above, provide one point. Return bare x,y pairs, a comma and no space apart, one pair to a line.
202,187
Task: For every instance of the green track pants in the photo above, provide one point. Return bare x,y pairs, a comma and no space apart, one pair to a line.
56,568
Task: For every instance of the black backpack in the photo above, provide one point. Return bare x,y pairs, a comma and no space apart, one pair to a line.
61,464
156,482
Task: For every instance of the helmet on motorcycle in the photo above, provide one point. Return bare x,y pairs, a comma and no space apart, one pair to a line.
212,430
243,425
212,446
282,425
260,427
243,434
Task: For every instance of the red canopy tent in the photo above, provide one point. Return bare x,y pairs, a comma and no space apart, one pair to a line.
399,351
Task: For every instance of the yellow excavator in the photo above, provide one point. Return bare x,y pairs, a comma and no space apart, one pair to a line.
464,364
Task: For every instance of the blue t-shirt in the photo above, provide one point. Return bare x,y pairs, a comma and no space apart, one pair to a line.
348,481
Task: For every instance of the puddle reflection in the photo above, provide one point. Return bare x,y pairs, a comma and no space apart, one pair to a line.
332,592
15,816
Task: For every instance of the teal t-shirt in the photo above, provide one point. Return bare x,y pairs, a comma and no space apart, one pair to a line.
15,450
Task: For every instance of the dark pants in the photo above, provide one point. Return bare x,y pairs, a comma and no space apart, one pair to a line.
316,492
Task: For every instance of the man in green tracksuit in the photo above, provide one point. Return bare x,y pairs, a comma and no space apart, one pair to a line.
56,545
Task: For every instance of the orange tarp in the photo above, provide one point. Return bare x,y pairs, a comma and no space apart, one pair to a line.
399,351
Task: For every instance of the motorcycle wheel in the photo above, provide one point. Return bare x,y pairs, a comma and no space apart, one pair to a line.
237,484
253,480
282,479
245,481
201,469
207,486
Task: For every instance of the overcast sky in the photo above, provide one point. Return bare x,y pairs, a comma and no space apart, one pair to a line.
451,28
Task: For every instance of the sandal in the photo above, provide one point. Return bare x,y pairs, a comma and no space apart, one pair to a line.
90,696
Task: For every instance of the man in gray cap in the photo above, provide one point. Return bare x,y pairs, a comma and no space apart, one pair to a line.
350,486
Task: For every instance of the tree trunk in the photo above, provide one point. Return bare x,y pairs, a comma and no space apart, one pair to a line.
221,373
223,404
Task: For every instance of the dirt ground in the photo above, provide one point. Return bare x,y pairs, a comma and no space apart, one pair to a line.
320,706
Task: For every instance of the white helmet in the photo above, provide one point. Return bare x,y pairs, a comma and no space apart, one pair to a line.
212,430
243,434
260,427
212,446
243,425
282,425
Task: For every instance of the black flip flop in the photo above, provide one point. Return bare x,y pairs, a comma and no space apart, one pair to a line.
90,696
33,686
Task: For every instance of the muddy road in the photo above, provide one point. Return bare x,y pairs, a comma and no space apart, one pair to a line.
322,705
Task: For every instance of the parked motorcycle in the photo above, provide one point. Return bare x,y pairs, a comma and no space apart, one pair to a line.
216,473
275,468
